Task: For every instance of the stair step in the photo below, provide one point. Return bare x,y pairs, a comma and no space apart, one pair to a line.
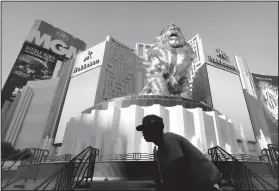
19,186
118,185
118,189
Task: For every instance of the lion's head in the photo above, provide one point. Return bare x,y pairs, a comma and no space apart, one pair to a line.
171,36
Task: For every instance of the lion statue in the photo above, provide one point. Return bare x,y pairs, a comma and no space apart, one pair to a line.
169,60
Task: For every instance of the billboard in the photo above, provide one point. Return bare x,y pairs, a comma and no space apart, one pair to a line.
267,92
45,46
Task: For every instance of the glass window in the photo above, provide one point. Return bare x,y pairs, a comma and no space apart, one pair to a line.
165,97
192,105
165,102
140,97
173,102
133,97
122,98
104,105
126,103
118,104
153,96
149,102
157,101
141,102
128,98
173,97
179,102
133,102
186,104
140,50
99,107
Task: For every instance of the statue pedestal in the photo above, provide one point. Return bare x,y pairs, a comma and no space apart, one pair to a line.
110,125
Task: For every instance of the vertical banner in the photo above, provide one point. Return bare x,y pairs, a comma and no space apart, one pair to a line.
44,46
267,92
245,75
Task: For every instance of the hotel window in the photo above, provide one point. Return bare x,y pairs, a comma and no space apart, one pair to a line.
140,50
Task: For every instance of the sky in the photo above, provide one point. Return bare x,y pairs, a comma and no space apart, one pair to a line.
248,29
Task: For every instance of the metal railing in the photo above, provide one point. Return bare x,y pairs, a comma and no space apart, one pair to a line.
271,153
66,157
126,157
73,173
245,158
32,163
147,157
237,174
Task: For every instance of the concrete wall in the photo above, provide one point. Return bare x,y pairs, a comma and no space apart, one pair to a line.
113,77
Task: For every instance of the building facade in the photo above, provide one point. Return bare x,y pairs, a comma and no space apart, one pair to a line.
261,94
105,71
31,116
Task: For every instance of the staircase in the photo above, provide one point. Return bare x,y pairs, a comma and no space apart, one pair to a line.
77,174
236,176
77,170
14,177
118,185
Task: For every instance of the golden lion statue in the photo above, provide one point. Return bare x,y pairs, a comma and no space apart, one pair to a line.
169,61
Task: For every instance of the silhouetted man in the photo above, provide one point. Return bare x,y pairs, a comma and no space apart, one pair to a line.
183,167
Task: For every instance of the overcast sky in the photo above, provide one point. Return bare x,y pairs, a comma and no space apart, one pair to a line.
249,29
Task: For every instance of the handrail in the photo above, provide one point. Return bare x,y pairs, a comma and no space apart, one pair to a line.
236,173
73,173
271,153
33,165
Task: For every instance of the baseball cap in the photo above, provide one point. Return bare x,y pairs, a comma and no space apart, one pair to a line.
149,121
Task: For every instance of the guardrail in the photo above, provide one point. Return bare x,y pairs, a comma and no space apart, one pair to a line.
126,157
66,157
237,174
149,157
